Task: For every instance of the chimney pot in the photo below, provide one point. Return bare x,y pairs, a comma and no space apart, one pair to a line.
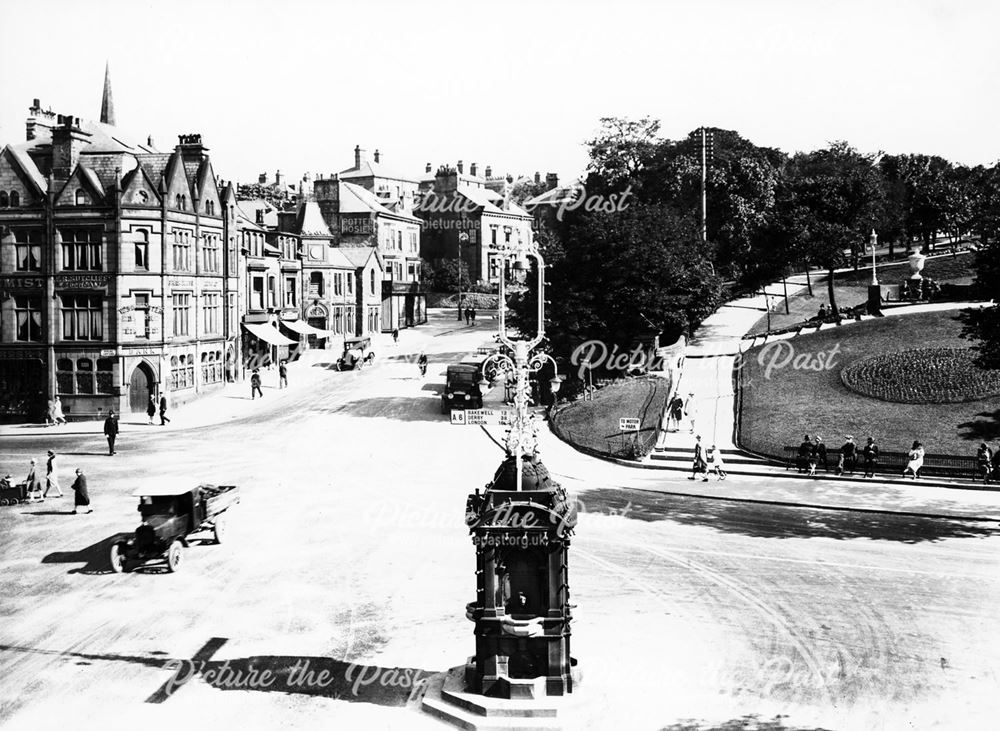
472,169
489,172
460,166
428,168
376,156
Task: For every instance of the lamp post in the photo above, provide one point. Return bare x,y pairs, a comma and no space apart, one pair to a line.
873,240
463,239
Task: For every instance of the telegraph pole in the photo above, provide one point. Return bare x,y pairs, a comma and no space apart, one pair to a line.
704,197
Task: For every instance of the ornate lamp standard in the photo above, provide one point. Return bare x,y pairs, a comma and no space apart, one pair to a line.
873,241
521,527
874,289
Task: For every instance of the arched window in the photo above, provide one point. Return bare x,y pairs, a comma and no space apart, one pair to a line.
4,200
81,197
15,199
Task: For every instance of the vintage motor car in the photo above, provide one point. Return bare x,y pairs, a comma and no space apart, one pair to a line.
461,388
171,518
354,356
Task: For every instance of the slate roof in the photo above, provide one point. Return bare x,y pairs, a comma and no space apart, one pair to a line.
371,169
355,199
358,256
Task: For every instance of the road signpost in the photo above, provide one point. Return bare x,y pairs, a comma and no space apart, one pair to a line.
629,424
482,417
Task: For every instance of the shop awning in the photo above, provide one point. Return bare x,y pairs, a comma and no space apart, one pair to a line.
304,328
265,332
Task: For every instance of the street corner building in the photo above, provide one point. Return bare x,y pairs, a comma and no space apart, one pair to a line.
119,271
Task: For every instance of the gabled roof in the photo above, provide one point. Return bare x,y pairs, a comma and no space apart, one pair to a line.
245,221
356,199
371,169
23,161
205,179
87,178
359,256
337,258
138,178
485,199
310,221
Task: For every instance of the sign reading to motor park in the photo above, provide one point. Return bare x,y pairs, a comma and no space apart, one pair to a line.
626,424
481,417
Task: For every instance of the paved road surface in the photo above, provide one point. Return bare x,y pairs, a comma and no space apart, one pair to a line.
349,555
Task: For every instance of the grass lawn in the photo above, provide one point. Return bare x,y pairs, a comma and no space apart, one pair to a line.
781,405
594,424
851,288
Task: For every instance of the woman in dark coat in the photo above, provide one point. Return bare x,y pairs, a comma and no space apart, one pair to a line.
151,408
82,495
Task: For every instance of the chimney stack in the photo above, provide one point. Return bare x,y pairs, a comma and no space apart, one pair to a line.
428,168
262,179
551,180
538,177
472,169
489,172
376,156
67,142
279,180
260,216
460,171
359,156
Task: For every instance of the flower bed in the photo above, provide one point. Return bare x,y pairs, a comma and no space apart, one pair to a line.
922,376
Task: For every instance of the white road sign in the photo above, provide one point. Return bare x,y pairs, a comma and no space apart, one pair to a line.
481,417
626,424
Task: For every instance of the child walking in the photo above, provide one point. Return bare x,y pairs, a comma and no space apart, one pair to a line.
715,463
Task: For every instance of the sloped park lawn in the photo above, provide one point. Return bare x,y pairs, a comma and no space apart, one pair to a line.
898,379
593,425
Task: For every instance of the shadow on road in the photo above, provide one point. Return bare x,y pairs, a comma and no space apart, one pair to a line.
770,521
746,723
304,675
95,557
397,408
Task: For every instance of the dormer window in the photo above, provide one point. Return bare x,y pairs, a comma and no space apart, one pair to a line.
210,208
82,198
180,202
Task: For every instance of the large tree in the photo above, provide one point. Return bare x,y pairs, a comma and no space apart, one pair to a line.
827,203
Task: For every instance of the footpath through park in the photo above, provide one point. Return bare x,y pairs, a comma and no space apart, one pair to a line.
709,361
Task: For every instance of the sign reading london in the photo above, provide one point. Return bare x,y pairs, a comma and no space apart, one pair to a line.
481,417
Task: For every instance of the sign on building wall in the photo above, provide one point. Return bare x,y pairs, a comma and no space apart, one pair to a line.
357,225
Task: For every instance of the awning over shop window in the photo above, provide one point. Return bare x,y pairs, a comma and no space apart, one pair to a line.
304,328
267,333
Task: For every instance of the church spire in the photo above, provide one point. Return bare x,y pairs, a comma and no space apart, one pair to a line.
107,103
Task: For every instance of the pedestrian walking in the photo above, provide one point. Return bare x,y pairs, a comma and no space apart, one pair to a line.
52,476
395,335
690,410
698,465
675,412
820,453
82,499
871,457
848,456
282,375
111,431
473,314
50,413
163,410
422,364
995,466
151,408
468,315
34,482
984,460
715,463
804,454
255,385
916,460
57,415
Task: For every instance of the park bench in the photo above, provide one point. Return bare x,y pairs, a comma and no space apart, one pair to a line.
892,463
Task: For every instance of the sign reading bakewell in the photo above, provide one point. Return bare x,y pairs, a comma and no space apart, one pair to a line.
481,417
627,424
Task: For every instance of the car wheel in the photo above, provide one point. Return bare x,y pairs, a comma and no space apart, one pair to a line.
220,529
117,556
174,556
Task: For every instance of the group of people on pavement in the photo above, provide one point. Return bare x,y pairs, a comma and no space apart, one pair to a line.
151,409
988,463
470,315
681,410
705,462
34,484
54,414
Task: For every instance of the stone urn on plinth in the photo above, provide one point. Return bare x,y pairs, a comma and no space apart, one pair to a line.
916,261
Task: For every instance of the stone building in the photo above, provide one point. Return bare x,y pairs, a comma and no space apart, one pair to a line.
119,270
453,202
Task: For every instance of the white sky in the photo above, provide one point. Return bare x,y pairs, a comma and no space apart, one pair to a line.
296,84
